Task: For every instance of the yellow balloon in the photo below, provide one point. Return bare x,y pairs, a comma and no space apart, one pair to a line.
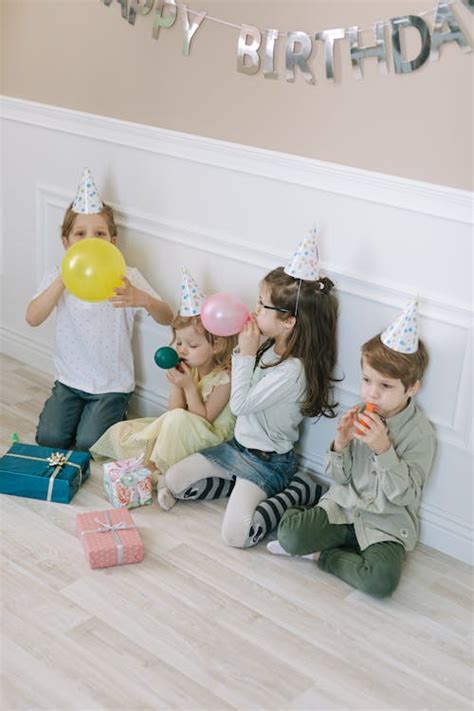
92,268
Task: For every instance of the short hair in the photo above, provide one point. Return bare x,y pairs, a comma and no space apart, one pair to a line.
70,216
407,367
222,346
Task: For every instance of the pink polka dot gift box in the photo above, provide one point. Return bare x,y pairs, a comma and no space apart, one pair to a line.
109,538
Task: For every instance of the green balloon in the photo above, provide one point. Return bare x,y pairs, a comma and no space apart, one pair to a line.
166,358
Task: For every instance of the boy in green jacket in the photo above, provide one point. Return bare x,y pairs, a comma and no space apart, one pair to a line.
379,461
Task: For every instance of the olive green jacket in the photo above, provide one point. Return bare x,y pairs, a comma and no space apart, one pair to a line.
381,494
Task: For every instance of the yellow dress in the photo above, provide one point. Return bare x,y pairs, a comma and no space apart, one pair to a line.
171,437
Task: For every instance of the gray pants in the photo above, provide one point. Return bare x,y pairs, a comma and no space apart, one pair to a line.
73,419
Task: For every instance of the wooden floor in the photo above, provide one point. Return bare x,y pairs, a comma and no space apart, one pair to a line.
201,626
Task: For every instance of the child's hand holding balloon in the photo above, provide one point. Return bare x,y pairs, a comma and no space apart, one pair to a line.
128,295
181,378
345,428
249,337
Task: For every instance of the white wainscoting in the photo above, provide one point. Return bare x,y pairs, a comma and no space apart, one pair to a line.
232,212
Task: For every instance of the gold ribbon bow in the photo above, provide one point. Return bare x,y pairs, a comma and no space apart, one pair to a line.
57,460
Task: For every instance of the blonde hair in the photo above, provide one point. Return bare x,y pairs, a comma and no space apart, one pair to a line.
407,367
222,346
70,216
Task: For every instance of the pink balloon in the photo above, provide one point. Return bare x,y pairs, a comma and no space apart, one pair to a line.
223,314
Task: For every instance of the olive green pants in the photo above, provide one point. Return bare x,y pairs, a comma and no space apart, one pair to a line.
375,570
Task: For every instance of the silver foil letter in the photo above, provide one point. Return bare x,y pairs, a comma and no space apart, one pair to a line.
249,51
269,72
329,37
397,23
298,58
143,7
444,16
190,29
162,20
378,50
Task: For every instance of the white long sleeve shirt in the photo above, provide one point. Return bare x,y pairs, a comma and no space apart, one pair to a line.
267,401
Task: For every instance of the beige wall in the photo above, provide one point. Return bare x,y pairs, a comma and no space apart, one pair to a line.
82,55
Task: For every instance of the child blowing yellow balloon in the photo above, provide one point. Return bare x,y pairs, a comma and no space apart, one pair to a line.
94,372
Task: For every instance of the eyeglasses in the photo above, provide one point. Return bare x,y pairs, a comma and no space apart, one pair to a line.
273,308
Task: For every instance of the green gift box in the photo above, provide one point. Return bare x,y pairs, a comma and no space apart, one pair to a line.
43,472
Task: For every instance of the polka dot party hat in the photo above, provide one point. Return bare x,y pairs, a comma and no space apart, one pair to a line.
402,334
304,262
192,297
87,200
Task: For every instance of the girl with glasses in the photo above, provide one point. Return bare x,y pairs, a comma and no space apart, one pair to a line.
274,386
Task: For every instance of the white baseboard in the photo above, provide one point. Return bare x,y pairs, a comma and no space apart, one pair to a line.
439,529
26,350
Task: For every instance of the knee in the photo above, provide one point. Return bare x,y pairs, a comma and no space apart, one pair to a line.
50,438
175,418
380,582
85,440
171,479
236,534
289,534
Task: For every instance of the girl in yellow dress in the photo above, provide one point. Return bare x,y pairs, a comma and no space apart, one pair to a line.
198,413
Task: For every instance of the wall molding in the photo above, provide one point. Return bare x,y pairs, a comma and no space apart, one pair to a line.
421,197
455,432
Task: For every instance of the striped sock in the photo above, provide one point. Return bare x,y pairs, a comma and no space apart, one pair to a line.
211,488
303,490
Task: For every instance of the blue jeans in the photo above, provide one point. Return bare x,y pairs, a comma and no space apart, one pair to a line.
73,419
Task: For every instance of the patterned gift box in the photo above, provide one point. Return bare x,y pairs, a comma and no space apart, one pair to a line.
109,538
42,472
127,483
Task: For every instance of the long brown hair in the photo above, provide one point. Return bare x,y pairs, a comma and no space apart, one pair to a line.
313,338
222,346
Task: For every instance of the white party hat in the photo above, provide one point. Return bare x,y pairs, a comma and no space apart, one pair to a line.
402,334
192,297
87,200
304,263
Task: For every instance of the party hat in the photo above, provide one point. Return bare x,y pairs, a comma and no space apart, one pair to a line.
304,262
192,297
402,334
87,200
